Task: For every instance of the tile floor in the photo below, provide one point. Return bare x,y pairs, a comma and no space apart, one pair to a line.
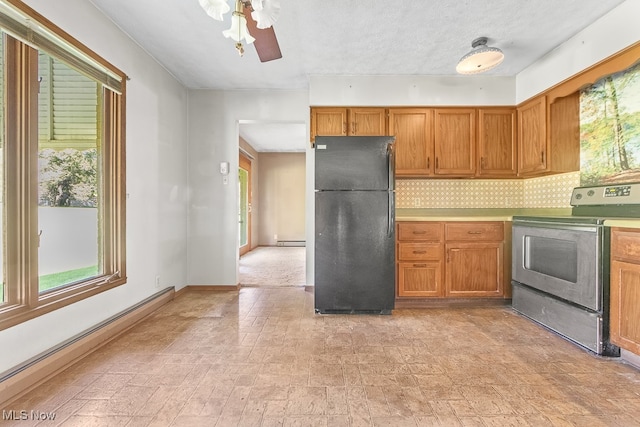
261,357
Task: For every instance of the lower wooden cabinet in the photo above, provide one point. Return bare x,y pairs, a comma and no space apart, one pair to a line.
474,269
420,279
419,259
450,259
625,289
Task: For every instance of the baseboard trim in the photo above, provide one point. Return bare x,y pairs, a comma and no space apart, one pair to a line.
408,303
30,374
208,288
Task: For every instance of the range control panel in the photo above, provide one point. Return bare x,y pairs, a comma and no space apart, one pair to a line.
614,194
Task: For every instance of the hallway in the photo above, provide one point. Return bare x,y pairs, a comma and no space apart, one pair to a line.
273,266
261,357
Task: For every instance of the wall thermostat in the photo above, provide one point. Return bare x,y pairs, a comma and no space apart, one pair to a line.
224,168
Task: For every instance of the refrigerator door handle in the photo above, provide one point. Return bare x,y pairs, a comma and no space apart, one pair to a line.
391,214
391,165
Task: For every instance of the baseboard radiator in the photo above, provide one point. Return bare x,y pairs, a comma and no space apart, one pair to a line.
297,243
23,378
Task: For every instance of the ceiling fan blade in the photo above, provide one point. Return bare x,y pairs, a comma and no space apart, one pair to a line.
266,43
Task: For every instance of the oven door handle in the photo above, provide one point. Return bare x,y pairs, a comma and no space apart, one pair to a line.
558,226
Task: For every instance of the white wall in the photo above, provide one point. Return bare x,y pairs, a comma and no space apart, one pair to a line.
214,118
610,34
282,197
411,90
156,182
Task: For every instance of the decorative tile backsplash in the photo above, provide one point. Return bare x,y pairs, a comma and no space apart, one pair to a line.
545,192
552,191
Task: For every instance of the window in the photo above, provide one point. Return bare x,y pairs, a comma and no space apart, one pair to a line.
61,168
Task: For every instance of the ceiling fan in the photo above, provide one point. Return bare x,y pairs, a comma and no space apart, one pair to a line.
252,21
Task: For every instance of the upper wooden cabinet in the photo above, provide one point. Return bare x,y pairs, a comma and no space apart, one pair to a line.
497,142
337,121
549,135
328,121
455,141
367,121
564,134
532,136
537,138
413,129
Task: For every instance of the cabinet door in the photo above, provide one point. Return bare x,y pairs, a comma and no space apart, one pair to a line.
532,137
412,128
328,121
455,141
367,121
625,306
564,134
474,269
420,279
497,142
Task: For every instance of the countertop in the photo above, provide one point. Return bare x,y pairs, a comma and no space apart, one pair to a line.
475,214
497,215
623,222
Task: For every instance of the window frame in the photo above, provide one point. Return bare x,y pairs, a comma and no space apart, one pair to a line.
23,301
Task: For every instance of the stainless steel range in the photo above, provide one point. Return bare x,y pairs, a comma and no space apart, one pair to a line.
561,265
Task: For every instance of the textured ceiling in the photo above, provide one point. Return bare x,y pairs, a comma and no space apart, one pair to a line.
357,37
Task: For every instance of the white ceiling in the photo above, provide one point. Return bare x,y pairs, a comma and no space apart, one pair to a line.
356,37
275,137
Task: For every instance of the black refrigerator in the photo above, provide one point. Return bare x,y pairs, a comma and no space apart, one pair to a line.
354,224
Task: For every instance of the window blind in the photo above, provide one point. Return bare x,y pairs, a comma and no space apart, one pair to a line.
17,24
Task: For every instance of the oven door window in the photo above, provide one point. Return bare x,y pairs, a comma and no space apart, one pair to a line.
564,262
552,257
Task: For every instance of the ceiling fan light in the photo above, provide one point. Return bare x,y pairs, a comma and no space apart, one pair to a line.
238,30
265,12
215,8
482,58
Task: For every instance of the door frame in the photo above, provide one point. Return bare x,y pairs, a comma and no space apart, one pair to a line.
245,163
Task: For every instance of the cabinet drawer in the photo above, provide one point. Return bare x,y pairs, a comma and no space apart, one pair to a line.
625,245
420,231
474,231
419,251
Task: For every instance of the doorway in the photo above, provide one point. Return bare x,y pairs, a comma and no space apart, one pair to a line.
244,203
272,193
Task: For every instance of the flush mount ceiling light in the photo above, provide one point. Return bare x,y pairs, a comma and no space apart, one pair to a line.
251,21
482,58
